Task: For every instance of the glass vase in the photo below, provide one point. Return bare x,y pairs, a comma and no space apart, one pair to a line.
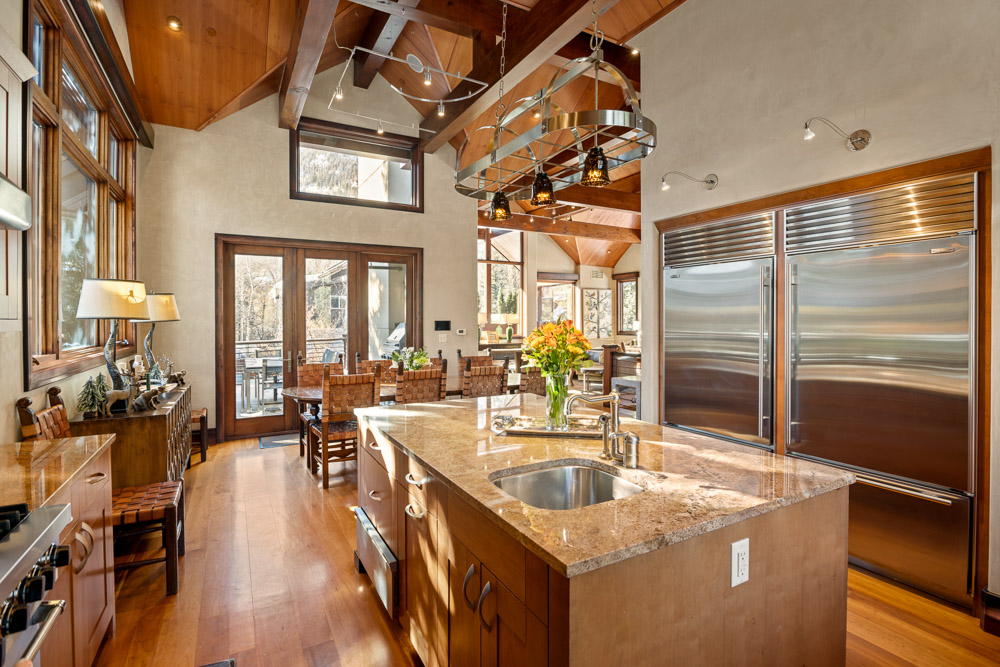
556,395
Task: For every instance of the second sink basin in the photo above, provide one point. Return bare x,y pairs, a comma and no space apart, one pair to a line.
566,487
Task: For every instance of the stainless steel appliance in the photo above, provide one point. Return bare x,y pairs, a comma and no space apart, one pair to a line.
29,558
881,372
717,322
396,340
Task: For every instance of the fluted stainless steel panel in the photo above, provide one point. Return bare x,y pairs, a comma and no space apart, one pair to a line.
880,359
717,348
937,207
737,238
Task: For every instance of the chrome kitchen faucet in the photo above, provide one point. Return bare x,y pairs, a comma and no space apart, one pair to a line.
610,430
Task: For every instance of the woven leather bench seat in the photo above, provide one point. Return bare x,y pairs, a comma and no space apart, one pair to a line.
197,414
334,427
138,504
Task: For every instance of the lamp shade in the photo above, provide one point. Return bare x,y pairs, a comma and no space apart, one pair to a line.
160,307
103,299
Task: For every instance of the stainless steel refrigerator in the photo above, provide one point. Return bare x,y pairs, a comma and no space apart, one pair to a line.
717,322
880,379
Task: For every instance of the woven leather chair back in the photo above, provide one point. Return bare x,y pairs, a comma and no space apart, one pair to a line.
311,375
422,386
343,393
52,423
532,381
475,361
483,381
378,367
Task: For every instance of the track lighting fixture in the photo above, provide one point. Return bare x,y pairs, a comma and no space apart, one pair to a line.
635,50
380,129
339,94
709,181
427,77
441,109
856,141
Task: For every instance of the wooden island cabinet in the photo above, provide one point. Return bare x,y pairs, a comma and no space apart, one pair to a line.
484,579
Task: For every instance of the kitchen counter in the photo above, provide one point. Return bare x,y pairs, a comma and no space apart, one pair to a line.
34,471
694,484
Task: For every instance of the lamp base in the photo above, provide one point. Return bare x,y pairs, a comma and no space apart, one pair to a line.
110,357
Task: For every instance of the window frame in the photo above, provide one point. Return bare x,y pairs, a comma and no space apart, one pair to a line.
45,360
546,279
341,131
485,234
622,327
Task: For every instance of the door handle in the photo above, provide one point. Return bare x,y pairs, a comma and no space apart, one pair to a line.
413,480
482,598
465,587
288,361
96,477
298,358
412,513
760,351
373,494
904,489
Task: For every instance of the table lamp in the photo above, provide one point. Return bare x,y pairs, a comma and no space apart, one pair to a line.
160,307
106,299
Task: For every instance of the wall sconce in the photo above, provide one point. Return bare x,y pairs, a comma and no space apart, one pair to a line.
856,141
709,181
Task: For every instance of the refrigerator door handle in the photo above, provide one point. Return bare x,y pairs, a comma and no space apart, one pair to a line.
761,388
905,489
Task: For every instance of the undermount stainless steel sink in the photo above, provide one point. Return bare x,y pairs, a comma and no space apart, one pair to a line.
566,487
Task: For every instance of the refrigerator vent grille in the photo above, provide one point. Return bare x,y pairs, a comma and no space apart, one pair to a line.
737,238
917,210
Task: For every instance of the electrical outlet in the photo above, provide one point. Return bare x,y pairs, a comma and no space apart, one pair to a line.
460,332
741,562
442,338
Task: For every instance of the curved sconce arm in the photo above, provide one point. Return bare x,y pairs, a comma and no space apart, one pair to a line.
710,181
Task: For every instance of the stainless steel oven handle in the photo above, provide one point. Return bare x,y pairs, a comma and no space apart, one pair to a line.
906,490
760,352
52,610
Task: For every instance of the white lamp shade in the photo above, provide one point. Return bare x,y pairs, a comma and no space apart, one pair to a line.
160,307
102,299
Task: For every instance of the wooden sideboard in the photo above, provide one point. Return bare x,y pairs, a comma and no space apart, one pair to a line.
151,446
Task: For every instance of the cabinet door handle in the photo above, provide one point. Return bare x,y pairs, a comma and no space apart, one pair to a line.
411,512
90,531
372,445
373,494
86,553
482,598
465,587
96,477
414,481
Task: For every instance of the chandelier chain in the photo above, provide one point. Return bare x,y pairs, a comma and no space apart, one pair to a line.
596,37
503,62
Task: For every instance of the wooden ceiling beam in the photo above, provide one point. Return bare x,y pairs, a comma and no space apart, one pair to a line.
313,20
616,200
534,38
619,56
560,227
466,19
380,35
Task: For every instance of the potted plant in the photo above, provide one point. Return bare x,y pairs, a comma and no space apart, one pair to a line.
410,359
557,349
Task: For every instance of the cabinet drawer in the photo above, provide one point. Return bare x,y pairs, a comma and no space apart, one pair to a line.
418,482
375,496
96,480
381,452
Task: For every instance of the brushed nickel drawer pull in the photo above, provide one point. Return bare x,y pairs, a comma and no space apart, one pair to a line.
373,494
412,480
86,553
410,511
465,587
96,477
372,445
482,597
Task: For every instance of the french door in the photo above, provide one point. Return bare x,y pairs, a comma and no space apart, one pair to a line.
283,303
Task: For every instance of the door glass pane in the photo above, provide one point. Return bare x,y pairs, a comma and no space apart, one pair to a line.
557,300
38,51
386,309
78,252
78,112
505,296
113,157
326,309
113,239
259,327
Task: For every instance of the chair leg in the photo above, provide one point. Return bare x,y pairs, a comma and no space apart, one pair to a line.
182,521
170,544
324,461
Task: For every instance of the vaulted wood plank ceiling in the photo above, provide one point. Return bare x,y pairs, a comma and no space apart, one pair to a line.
231,53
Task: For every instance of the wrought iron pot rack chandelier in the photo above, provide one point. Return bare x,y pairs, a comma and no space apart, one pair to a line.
562,148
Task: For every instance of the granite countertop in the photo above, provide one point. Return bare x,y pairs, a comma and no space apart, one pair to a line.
35,470
694,483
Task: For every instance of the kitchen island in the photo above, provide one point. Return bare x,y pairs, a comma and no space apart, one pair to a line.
477,576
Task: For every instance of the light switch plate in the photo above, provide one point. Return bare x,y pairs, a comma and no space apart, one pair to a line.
460,332
442,338
740,562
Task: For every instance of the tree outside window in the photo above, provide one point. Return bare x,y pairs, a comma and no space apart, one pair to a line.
500,280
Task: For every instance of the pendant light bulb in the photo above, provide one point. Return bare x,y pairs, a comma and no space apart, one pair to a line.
427,77
595,169
809,134
499,207
441,109
339,94
542,193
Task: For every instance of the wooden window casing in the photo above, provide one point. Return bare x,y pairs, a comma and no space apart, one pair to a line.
624,327
485,235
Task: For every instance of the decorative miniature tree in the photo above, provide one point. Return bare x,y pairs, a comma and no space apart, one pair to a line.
102,384
90,400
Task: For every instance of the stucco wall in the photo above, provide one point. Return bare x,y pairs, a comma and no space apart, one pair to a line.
232,178
734,82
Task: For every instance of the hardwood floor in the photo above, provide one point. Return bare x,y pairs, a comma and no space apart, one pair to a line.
269,579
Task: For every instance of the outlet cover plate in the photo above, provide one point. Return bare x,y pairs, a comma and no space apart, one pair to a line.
740,562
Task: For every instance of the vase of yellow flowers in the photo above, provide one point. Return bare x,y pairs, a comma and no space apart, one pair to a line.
557,348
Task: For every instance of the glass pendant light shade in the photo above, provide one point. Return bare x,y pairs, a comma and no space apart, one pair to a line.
595,169
499,207
541,190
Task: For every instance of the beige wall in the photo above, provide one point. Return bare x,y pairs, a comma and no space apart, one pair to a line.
11,347
232,178
735,81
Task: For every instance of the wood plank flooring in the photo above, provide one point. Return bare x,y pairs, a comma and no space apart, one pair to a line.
269,579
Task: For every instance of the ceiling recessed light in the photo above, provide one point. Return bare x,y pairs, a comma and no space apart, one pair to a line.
174,23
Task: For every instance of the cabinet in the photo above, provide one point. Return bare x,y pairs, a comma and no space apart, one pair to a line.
87,584
151,446
421,605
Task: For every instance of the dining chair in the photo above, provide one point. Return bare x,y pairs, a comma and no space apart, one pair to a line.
311,375
483,380
423,386
532,381
481,360
335,436
271,378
